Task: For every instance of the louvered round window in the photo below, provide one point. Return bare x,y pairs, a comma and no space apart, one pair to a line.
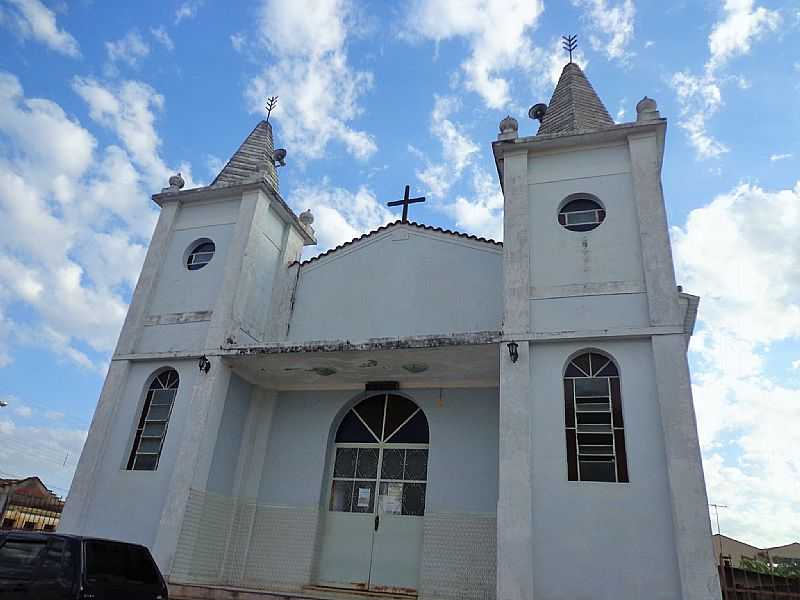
581,213
200,254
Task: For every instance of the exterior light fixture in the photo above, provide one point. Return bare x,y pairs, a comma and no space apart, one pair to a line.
204,364
3,403
513,353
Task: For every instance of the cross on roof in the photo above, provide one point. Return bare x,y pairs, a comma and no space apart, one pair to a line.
405,202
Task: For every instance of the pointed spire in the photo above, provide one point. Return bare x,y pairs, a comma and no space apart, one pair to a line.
254,155
574,105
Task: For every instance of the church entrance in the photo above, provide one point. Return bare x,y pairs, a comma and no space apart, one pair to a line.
372,535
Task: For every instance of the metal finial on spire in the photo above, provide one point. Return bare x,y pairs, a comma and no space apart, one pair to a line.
569,43
271,102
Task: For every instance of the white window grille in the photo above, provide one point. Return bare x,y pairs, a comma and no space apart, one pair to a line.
581,214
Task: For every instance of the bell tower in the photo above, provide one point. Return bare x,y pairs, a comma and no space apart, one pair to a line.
601,490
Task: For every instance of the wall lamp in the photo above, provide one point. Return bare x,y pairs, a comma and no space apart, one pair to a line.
204,364
513,351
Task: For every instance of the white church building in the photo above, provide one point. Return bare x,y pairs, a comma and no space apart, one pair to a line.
417,412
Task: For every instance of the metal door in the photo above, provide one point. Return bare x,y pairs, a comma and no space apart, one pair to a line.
372,536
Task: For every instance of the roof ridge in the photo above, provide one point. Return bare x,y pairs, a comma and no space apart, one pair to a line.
386,226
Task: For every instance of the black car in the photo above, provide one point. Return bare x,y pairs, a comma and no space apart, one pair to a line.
53,566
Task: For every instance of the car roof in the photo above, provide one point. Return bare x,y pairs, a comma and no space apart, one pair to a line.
44,535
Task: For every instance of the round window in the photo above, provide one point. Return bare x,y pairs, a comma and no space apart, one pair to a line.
201,254
581,213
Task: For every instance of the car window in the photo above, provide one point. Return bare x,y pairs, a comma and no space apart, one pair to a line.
18,557
105,561
114,561
50,565
141,567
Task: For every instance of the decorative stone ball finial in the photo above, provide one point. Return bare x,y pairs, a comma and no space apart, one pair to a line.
509,125
508,128
306,218
176,182
647,110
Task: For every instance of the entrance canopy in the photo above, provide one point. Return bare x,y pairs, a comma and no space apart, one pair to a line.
466,360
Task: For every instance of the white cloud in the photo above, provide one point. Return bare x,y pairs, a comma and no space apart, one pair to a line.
649,44
731,252
497,32
621,112
162,37
51,453
796,364
129,49
611,26
187,10
700,96
238,40
741,25
458,150
339,214
22,410
483,213
54,415
129,110
777,157
33,20
76,222
318,88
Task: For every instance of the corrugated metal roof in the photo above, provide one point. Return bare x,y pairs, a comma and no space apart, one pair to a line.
575,105
399,222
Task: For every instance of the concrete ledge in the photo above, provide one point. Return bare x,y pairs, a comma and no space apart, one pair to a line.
183,591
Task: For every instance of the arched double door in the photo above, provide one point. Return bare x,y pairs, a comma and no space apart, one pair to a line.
372,533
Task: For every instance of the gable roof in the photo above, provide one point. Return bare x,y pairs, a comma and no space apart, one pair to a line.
256,149
574,105
394,224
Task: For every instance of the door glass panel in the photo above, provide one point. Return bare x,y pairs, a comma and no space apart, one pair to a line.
414,499
145,462
392,467
363,497
416,465
367,466
413,432
341,495
600,470
371,410
345,465
353,430
150,445
398,410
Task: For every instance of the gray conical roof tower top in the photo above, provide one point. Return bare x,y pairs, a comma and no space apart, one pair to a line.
253,156
574,105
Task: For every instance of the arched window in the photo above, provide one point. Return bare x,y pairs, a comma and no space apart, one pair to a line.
152,428
593,420
389,431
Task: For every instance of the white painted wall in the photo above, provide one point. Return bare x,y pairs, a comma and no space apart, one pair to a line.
602,266
127,505
598,540
401,282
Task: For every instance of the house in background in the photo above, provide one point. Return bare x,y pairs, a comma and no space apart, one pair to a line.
733,550
28,504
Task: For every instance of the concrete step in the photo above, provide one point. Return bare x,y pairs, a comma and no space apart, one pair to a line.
179,591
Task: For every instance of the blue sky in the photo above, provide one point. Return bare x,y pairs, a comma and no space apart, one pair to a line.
100,102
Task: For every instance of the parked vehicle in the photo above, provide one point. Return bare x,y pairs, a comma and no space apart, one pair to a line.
53,566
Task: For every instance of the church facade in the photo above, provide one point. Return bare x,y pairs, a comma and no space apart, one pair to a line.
418,411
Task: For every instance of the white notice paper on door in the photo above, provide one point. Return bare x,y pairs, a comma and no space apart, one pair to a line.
363,497
393,499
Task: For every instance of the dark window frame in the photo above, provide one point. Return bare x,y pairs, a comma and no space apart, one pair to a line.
594,427
163,388
591,210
